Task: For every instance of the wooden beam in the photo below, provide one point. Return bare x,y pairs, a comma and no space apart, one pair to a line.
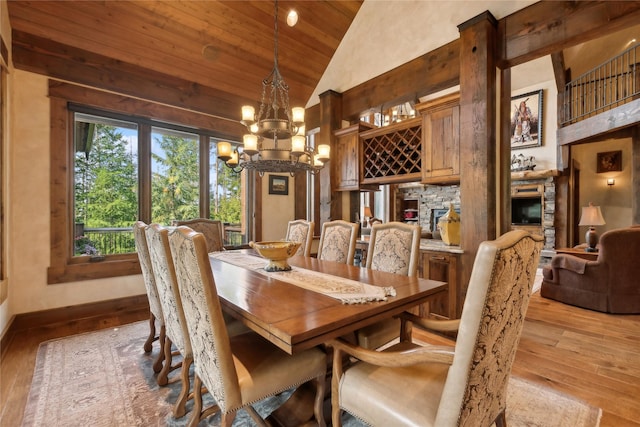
42,56
617,118
550,26
635,175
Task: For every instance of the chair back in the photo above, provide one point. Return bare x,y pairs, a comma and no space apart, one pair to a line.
490,326
211,229
338,241
394,247
139,230
301,231
213,360
165,274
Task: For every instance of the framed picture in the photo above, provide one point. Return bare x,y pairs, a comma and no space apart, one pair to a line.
278,184
609,161
526,120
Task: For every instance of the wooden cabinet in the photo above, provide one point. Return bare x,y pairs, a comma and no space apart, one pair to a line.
441,140
347,158
391,154
441,266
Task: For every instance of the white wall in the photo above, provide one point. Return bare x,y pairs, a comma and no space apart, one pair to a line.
5,313
615,201
277,210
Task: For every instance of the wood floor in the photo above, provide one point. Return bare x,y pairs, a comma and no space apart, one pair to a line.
590,355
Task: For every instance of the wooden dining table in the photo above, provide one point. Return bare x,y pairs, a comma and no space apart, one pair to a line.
294,318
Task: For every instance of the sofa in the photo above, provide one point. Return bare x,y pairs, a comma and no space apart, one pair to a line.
610,284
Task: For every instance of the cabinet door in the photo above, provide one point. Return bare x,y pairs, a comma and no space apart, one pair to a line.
347,158
441,145
443,267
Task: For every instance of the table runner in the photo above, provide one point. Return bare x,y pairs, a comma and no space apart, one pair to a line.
345,290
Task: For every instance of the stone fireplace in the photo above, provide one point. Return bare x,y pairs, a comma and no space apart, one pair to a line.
533,205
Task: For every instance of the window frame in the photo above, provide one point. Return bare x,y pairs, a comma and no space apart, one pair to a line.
64,267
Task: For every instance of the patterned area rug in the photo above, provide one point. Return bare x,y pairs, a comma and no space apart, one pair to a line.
104,378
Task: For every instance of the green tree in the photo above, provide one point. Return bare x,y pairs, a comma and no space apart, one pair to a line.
175,181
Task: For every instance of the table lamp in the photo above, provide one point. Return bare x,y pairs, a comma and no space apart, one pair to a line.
591,216
367,214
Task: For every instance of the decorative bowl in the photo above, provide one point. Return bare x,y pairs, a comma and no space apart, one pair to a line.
277,252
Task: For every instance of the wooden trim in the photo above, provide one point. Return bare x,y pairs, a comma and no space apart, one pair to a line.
24,321
617,118
43,56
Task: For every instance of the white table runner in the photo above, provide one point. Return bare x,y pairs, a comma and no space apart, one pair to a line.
345,290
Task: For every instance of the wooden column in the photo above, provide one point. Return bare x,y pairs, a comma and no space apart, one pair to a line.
330,120
478,164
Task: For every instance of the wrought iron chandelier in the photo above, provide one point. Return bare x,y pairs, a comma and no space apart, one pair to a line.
276,141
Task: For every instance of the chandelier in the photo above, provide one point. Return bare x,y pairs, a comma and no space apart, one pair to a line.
276,140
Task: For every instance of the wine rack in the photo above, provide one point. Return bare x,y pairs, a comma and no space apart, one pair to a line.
393,153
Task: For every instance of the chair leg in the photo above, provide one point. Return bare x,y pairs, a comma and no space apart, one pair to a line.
179,409
157,365
335,385
501,420
318,405
197,402
152,334
163,376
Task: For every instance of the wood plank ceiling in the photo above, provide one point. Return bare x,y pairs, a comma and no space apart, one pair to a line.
227,46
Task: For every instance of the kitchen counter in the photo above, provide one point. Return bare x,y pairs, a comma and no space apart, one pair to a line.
439,246
425,245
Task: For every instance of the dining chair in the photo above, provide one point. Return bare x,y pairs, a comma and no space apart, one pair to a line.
236,370
211,229
394,247
338,241
410,384
155,308
176,328
301,231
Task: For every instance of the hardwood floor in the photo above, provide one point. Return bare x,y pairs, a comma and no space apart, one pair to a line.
590,355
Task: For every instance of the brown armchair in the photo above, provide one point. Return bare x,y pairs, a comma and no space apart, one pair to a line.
610,284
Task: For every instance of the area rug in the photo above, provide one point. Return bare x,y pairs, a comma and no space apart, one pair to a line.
104,378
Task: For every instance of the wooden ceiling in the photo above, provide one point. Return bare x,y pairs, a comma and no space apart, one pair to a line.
227,46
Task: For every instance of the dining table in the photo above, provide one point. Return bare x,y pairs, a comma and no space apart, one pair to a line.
296,318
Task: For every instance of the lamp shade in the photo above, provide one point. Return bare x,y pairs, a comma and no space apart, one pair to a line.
591,215
367,212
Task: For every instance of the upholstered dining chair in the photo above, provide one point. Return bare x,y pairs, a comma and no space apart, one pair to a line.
176,328
301,231
465,385
394,247
240,370
155,308
211,229
338,241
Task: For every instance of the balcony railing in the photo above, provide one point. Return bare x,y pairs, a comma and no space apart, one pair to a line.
111,241
609,85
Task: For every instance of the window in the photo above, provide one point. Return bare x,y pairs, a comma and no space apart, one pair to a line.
111,165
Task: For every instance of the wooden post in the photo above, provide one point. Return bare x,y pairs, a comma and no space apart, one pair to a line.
330,120
478,166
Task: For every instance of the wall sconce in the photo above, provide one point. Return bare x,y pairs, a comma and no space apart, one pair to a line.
611,181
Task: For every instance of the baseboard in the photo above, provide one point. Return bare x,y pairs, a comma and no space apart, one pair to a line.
73,313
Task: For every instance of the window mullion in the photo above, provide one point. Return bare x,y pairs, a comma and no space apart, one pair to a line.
144,162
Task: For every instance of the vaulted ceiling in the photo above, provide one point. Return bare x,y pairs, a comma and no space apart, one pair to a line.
227,46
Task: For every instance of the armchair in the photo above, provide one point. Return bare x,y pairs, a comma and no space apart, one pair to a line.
448,386
609,284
